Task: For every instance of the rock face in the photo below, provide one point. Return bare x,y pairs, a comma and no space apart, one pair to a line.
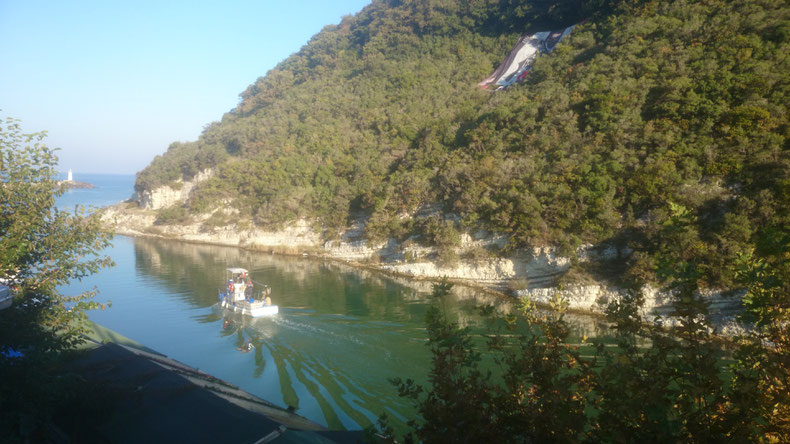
294,238
538,269
535,270
723,307
167,196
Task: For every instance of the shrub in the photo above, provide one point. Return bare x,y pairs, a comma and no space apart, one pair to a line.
173,215
218,219
447,258
477,254
439,232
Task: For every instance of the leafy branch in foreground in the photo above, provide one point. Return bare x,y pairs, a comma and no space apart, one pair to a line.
538,395
762,372
41,249
668,382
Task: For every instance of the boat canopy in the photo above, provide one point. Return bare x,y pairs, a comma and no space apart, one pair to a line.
236,270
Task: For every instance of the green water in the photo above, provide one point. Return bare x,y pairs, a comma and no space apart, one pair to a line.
341,332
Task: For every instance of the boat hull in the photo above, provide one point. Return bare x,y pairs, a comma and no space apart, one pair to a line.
251,309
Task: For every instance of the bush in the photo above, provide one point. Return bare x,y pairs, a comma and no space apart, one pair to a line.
674,387
447,258
42,249
439,232
477,254
175,215
218,219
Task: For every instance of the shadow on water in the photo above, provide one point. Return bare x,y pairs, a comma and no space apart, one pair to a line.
340,334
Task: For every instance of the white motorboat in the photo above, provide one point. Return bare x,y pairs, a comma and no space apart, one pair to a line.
241,296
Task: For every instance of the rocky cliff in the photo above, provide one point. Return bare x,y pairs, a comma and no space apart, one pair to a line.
168,195
535,270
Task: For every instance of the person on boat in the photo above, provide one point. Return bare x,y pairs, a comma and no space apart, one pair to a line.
267,301
248,291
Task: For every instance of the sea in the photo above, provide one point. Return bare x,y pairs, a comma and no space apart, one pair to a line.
108,189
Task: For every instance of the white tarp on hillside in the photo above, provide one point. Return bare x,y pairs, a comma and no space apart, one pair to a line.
518,63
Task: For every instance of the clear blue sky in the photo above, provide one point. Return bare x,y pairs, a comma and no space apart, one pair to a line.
115,82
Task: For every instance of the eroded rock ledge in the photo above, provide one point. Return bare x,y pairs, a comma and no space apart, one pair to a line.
533,272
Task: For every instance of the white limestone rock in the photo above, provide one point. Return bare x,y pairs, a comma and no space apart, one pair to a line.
167,196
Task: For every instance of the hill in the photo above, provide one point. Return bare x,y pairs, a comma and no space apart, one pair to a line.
649,109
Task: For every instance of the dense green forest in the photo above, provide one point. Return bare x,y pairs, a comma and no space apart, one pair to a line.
648,105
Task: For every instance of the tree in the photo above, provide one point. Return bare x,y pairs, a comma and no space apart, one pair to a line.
537,392
665,383
762,372
41,248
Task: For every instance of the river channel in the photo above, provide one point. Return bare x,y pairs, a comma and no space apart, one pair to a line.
340,334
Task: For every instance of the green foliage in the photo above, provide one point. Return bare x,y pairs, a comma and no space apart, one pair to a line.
477,254
458,408
182,160
438,232
382,226
442,234
765,279
447,258
653,384
648,102
41,248
175,214
762,370
662,124
218,219
537,398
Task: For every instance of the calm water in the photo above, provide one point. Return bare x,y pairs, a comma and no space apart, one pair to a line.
340,334
108,189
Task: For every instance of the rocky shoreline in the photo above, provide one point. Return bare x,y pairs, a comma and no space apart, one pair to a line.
527,274
70,184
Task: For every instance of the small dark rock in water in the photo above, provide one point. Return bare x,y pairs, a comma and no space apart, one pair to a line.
69,184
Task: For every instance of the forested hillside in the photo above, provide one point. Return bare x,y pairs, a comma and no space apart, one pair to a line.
647,106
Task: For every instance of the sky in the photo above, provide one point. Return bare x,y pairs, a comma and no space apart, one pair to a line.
115,82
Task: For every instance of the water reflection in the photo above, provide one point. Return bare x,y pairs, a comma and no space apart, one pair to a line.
340,334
